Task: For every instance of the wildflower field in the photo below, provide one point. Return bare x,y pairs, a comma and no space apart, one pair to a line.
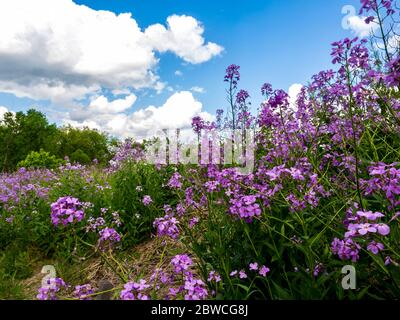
323,195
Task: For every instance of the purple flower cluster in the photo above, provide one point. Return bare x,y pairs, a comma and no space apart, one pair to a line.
375,5
386,181
175,181
246,207
17,188
181,263
127,151
199,124
66,210
108,237
94,224
195,288
135,291
253,267
350,52
182,282
51,289
83,292
167,226
241,97
147,200
266,89
346,249
214,276
232,75
361,226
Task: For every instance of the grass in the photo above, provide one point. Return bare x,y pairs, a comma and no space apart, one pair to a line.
139,262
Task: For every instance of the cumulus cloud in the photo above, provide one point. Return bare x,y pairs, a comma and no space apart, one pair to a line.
176,112
293,93
184,37
60,51
178,73
101,104
360,28
197,89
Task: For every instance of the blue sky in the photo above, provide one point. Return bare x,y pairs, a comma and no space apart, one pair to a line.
281,42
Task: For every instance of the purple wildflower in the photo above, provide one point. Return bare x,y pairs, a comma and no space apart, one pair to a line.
181,262
108,237
66,210
263,271
83,292
253,266
147,200
375,247
167,226
50,290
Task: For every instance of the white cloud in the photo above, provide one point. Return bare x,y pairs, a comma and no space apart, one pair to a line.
197,89
60,51
56,91
360,28
178,73
118,92
102,105
293,93
3,110
184,37
159,86
176,112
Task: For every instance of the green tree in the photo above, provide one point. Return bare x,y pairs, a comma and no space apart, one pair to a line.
41,159
79,156
22,133
81,145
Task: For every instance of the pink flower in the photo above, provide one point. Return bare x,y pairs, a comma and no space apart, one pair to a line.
263,271
214,276
363,229
383,229
370,215
375,247
253,266
147,200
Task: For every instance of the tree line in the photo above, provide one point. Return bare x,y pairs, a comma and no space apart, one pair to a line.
27,136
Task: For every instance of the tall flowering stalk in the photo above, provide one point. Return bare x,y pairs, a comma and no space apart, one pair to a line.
232,76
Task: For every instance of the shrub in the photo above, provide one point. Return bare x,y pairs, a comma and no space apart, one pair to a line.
79,156
41,159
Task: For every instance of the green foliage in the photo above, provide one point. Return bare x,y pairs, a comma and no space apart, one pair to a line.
129,185
41,159
10,288
80,157
24,133
81,145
